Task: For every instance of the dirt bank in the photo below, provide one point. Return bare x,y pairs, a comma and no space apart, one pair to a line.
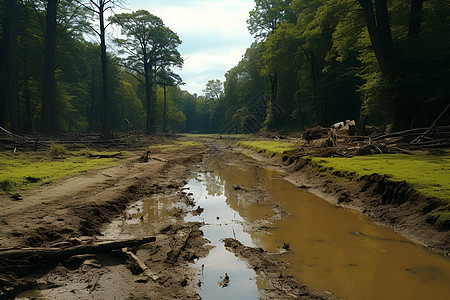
279,285
392,204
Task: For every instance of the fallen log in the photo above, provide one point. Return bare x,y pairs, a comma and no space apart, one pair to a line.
104,155
94,248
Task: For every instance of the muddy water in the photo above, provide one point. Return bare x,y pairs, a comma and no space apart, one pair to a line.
332,250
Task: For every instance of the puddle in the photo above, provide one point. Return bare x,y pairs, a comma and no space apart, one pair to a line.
142,218
332,249
221,221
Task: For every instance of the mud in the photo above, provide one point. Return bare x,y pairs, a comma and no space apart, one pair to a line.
279,285
78,207
393,204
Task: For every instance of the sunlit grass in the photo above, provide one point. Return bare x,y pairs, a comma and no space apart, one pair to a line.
172,145
269,148
218,136
428,174
25,171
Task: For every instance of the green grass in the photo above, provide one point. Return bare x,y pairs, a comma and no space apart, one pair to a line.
23,171
171,145
269,148
218,136
428,174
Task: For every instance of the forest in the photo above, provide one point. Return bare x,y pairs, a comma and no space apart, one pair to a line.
312,63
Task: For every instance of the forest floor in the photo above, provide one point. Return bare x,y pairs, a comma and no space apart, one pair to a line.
75,211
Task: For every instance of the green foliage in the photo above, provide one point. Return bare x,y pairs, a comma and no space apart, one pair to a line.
58,150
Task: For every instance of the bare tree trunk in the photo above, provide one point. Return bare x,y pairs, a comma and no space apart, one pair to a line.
165,109
105,100
379,32
48,117
28,114
9,7
148,87
91,113
415,18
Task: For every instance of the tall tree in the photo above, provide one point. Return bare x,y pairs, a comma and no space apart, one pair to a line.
8,19
213,90
48,118
99,7
380,33
267,15
149,46
167,78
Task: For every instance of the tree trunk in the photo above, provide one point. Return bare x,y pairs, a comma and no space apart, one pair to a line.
274,114
98,247
48,117
105,101
165,109
9,7
148,87
27,97
91,113
379,32
415,18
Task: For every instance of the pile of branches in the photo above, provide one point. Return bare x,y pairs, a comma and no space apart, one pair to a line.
432,137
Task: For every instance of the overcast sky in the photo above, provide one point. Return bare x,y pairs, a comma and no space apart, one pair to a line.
214,35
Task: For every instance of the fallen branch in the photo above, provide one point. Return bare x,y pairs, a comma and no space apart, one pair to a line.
431,128
10,133
98,247
136,265
104,155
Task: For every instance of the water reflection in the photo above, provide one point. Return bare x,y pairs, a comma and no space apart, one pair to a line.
332,249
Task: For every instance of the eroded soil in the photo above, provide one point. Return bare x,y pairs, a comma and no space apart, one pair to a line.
75,209
78,210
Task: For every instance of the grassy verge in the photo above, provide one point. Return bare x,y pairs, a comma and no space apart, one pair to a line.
428,174
269,148
25,171
171,145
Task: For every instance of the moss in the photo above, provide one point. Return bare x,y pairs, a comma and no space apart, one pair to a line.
269,148
428,174
24,171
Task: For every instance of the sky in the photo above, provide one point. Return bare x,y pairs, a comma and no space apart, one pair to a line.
214,35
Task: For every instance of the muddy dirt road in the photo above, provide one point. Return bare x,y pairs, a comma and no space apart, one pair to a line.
80,209
226,227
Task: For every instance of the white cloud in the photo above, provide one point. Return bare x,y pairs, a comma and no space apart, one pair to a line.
214,35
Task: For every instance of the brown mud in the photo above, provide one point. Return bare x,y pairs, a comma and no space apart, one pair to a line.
76,208
77,211
279,285
393,204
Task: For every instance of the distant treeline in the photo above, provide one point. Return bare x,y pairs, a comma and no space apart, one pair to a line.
313,62
64,89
